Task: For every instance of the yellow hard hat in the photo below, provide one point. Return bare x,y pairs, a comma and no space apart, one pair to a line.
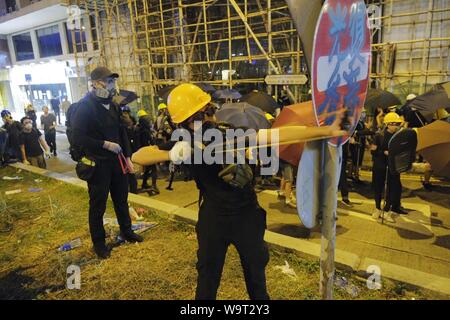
442,113
186,100
162,106
269,116
142,113
392,117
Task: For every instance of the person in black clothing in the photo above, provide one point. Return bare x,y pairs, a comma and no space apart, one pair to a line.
31,113
357,146
31,144
229,210
56,109
144,137
130,122
48,122
380,170
98,130
13,128
343,184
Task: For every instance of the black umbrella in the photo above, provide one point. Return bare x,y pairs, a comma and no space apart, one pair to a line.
261,100
206,87
129,96
429,102
243,115
227,94
164,92
377,98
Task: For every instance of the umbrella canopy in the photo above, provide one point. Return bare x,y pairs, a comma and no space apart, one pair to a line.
164,92
428,103
377,98
128,96
243,115
301,114
261,100
434,146
227,94
206,87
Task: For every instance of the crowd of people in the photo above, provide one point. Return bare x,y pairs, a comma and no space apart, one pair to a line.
22,141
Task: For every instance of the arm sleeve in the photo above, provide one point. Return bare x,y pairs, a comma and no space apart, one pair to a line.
80,129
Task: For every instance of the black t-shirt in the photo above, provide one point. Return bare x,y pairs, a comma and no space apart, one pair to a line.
13,130
226,199
381,140
31,142
48,121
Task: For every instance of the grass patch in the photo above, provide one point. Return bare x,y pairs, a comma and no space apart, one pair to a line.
34,224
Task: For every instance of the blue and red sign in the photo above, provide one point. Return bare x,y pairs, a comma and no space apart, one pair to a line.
341,61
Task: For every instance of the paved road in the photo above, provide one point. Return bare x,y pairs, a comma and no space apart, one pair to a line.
420,240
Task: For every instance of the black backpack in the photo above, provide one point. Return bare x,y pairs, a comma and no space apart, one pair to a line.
76,152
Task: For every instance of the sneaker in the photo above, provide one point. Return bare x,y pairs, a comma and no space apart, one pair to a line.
102,251
389,217
427,186
54,154
376,214
347,203
155,189
131,237
399,211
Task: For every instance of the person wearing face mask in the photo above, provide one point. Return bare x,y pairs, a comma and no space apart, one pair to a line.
381,172
48,122
229,211
31,144
13,128
99,131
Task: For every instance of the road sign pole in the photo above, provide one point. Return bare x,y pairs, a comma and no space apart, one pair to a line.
329,186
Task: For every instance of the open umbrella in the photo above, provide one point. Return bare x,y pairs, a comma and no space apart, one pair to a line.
128,96
434,146
377,98
261,100
429,102
301,114
227,94
243,115
164,92
206,87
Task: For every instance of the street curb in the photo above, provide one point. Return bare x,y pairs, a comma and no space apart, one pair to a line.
306,249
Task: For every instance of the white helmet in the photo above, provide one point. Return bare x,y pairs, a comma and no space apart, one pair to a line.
410,97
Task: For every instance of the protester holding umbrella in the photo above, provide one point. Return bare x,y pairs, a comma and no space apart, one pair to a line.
229,211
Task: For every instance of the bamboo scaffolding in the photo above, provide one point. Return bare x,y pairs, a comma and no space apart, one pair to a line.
160,42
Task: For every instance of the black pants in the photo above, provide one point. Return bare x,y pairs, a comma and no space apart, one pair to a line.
245,230
394,188
50,138
132,182
149,171
108,178
343,184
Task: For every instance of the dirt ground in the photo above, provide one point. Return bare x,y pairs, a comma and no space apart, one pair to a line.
47,213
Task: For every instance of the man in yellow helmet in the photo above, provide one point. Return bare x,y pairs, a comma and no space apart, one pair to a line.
229,211
380,171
